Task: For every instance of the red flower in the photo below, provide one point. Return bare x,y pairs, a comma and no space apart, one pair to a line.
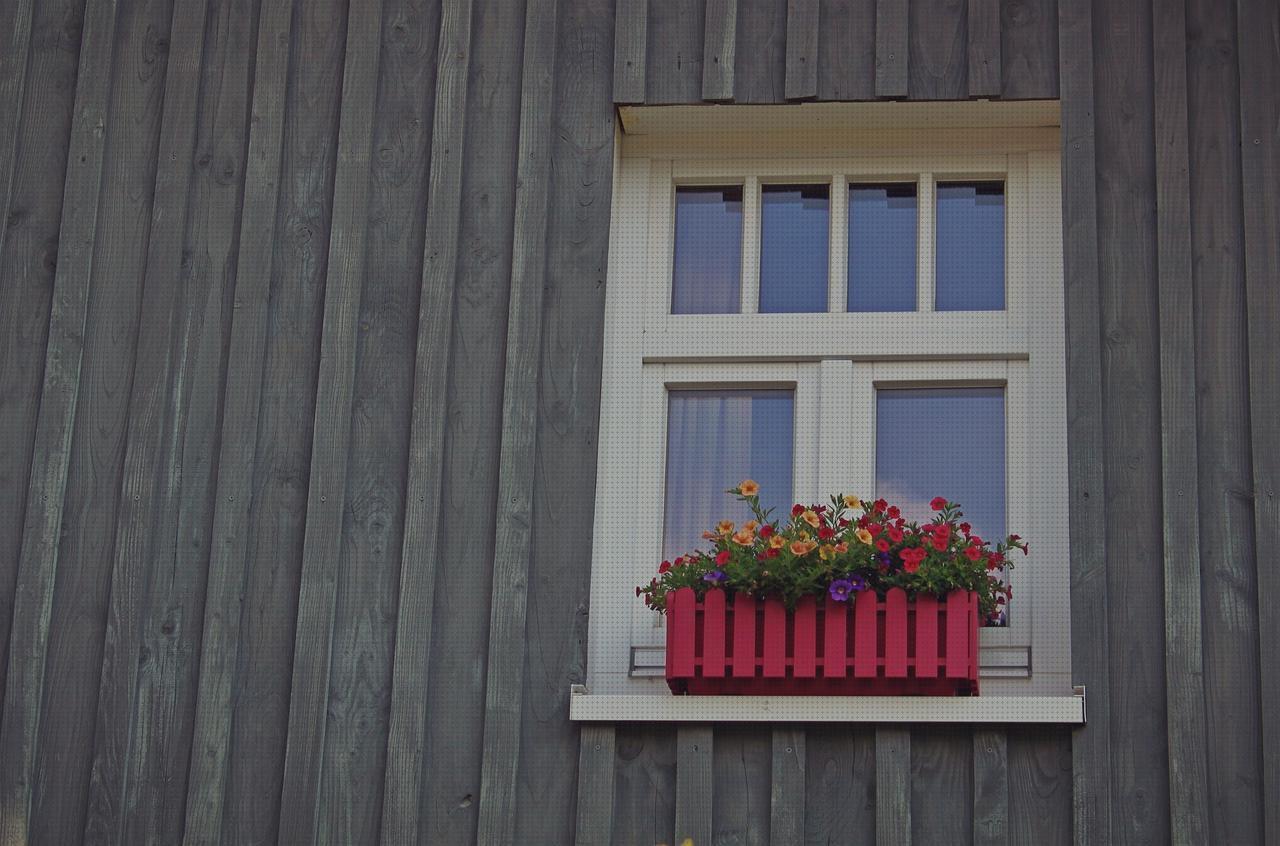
942,530
973,553
879,506
844,521
876,529
966,528
826,533
912,565
797,510
664,566
895,534
940,544
938,503
882,545
894,513
766,530
820,509
771,552
723,557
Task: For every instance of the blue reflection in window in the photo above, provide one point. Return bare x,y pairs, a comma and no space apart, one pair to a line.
707,262
793,248
970,247
882,247
715,439
947,442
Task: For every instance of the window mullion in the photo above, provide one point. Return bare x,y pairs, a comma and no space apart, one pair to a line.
837,276
925,265
751,245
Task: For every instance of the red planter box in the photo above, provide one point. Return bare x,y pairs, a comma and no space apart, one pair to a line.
865,647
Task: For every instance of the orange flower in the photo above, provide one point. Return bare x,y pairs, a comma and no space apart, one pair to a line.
852,501
802,547
864,536
750,526
826,552
842,547
810,517
746,537
777,542
724,528
748,488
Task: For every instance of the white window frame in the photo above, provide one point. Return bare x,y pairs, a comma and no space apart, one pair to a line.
649,351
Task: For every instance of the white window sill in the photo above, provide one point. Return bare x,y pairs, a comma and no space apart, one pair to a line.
1060,710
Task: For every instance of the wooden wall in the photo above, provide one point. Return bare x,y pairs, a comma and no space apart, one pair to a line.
302,312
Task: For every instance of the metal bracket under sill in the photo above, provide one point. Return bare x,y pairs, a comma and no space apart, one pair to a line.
1057,710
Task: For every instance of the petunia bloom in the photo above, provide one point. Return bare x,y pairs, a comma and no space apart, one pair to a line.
840,590
864,536
938,503
748,488
715,576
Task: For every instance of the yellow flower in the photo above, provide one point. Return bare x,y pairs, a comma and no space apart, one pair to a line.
864,536
748,488
852,501
804,536
777,542
811,518
725,528
826,552
750,526
802,547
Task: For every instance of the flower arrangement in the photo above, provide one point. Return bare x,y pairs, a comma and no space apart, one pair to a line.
840,550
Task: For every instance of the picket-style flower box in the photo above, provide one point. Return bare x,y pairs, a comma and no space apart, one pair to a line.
865,646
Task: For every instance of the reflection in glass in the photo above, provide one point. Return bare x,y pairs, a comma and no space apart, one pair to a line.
793,248
882,247
715,439
947,442
970,247
707,262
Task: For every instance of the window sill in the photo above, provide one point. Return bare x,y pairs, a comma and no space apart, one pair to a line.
1059,710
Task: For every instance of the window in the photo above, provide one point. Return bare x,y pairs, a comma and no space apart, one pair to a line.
874,311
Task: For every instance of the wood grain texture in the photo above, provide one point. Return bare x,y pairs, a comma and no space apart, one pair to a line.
938,60
596,768
406,744
630,51
51,454
802,50
761,59
504,686
1257,25
840,804
694,784
674,51
719,49
991,787
229,538
1184,665
1233,809
942,792
1039,781
30,208
568,411
787,785
644,810
891,48
742,804
984,48
893,785
1029,45
1090,634
846,50
1130,415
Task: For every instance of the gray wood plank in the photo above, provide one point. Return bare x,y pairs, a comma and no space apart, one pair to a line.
1184,665
984,48
891,48
719,45
406,742
1090,649
229,540
630,51
938,62
942,787
1029,43
31,209
568,411
644,809
596,768
846,50
840,807
51,453
802,49
1131,406
15,21
760,63
990,787
787,792
316,804
1259,67
694,783
513,542
893,785
1231,812
742,762
1039,780
673,46
143,662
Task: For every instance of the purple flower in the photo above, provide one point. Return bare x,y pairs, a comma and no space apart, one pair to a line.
885,558
840,590
859,583
715,576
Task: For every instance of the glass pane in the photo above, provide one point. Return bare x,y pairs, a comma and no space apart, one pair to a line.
947,442
882,247
793,248
707,265
970,247
715,439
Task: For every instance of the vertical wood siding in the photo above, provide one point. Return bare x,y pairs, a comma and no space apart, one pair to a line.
301,318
